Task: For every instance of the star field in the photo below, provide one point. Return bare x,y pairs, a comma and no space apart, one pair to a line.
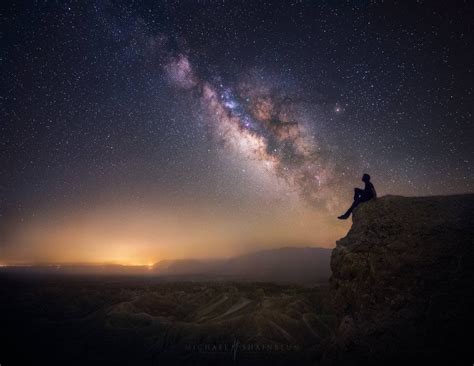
225,117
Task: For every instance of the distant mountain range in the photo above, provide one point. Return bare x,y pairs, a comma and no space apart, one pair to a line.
289,264
282,265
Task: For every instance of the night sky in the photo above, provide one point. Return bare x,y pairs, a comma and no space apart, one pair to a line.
138,131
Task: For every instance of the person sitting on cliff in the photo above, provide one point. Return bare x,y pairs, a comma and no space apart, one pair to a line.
361,195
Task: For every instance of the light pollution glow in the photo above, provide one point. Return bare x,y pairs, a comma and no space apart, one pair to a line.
138,236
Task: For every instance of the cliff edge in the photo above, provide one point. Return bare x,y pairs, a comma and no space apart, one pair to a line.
402,281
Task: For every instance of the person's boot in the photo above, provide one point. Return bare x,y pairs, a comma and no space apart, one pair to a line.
345,216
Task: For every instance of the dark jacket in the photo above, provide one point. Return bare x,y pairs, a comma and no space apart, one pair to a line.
369,191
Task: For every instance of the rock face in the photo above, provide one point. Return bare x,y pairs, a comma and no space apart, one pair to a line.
402,281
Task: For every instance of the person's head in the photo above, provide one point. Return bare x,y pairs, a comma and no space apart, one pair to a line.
366,178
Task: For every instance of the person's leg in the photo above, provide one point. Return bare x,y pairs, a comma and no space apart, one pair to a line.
353,206
349,211
359,196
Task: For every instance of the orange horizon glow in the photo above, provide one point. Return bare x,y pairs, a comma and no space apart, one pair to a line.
138,236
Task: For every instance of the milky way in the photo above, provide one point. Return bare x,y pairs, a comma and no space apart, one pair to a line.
259,124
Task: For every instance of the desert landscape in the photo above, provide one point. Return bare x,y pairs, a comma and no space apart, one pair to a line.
400,289
145,321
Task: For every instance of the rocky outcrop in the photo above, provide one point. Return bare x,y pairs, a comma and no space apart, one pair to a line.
402,281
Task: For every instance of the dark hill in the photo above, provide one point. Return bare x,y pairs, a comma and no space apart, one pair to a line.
281,265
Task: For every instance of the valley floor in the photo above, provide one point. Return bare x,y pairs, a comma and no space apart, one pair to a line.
94,320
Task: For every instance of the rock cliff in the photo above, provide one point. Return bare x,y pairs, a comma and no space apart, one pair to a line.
402,281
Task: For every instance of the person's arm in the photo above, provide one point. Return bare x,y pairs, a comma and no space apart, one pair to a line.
374,193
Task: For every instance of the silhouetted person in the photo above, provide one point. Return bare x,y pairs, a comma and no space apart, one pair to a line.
361,195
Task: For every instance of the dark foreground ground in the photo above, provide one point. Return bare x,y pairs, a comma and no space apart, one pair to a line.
85,320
